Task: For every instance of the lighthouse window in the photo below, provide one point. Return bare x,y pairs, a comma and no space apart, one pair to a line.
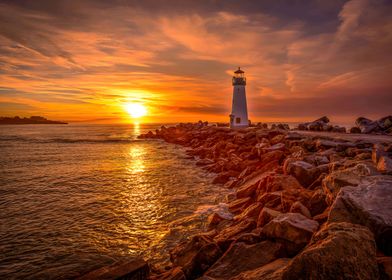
238,120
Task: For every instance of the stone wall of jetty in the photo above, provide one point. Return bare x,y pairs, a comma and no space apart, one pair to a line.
304,207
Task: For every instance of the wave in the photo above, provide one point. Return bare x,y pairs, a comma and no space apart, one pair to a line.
67,140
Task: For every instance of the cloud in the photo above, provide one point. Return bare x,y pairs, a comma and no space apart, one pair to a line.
89,57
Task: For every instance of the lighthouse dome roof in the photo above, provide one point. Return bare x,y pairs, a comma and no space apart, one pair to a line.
239,71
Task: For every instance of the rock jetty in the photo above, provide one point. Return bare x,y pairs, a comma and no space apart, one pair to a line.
304,206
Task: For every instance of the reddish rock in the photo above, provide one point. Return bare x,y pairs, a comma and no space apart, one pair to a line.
238,205
272,200
133,269
298,207
195,256
352,176
241,257
292,227
384,165
277,182
249,187
317,203
214,219
271,156
338,251
368,204
234,230
271,271
266,215
251,212
304,172
173,274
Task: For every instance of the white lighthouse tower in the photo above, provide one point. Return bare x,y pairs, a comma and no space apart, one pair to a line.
239,110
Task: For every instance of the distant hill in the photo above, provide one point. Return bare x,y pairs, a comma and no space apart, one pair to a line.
31,120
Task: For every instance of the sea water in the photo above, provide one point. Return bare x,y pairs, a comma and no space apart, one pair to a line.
77,197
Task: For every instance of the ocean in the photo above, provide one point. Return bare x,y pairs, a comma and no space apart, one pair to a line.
77,197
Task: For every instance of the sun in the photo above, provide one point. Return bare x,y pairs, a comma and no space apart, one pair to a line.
136,110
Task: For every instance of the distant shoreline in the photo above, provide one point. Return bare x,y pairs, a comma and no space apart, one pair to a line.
31,120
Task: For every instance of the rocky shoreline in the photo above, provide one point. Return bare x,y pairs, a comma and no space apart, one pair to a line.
309,203
304,206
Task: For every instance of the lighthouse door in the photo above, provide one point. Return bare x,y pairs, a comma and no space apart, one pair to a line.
237,120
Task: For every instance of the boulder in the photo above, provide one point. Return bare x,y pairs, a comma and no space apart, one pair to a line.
214,219
303,171
251,212
249,187
317,203
241,257
271,271
368,204
195,256
298,207
352,176
238,205
131,269
338,251
277,182
266,215
173,274
367,125
234,230
292,227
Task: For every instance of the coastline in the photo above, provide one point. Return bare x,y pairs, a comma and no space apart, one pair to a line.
294,192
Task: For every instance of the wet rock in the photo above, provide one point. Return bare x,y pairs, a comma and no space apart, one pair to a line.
173,274
266,215
337,251
224,177
252,212
298,207
277,182
133,269
195,256
214,219
241,257
237,206
271,271
249,187
368,204
292,227
234,230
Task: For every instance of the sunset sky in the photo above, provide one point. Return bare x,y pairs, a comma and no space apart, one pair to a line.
80,60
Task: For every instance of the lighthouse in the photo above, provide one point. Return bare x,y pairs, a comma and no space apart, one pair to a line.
239,110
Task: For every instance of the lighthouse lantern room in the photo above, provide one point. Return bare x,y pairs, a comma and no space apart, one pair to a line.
239,111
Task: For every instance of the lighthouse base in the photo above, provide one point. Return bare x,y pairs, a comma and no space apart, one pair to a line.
236,122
